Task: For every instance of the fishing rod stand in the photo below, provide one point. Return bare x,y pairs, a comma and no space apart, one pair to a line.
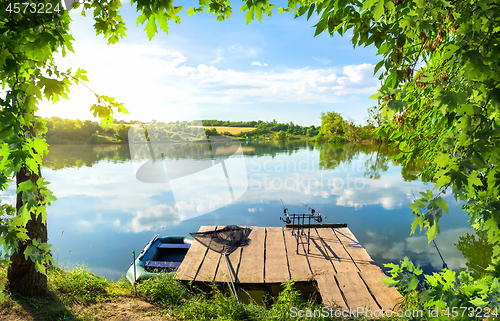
299,228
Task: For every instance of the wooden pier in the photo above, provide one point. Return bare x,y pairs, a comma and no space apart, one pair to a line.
345,275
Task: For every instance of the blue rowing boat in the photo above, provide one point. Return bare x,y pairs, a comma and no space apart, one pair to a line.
161,254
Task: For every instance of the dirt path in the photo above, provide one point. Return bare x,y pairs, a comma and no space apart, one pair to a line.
118,309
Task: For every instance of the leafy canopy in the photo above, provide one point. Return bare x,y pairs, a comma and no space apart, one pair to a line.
440,92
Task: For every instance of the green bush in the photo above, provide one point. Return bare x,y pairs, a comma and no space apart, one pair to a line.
80,284
94,139
287,299
220,306
281,135
335,140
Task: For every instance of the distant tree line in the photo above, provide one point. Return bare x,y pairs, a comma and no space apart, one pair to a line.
333,129
214,122
280,130
63,131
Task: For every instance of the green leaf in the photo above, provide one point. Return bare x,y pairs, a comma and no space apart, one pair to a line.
417,222
321,26
151,29
141,19
258,12
390,282
29,250
475,180
442,204
377,67
26,186
413,282
368,4
442,181
40,268
414,207
432,231
311,10
478,302
379,10
249,15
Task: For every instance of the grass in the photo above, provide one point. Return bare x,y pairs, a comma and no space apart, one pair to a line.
79,294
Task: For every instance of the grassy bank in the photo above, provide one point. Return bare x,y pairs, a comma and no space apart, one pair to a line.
82,295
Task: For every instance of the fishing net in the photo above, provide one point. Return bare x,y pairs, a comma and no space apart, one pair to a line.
224,240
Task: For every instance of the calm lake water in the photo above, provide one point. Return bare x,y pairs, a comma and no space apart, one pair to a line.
104,212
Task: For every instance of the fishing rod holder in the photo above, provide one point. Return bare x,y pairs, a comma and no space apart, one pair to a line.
300,223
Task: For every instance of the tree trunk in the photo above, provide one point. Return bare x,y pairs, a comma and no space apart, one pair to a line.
22,276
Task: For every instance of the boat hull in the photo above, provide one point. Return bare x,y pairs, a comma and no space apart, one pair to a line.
160,255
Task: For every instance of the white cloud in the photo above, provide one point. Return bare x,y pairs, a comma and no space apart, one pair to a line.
355,74
322,60
150,79
256,63
155,217
243,51
219,57
417,246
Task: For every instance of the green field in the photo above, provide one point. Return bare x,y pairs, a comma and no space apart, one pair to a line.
231,130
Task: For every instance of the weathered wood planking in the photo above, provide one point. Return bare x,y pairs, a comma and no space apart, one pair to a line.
208,268
319,260
276,264
251,268
388,298
345,274
329,290
191,263
297,263
338,255
357,252
355,291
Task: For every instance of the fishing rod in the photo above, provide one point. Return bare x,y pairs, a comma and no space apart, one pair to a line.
445,266
287,220
318,219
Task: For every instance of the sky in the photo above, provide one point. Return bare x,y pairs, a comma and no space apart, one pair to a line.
207,69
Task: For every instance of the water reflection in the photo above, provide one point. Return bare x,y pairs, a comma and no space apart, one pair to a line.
106,212
477,251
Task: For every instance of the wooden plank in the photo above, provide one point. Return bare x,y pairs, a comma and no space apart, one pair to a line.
330,292
209,266
233,261
251,268
297,263
335,250
388,298
358,253
355,291
319,260
193,259
276,264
